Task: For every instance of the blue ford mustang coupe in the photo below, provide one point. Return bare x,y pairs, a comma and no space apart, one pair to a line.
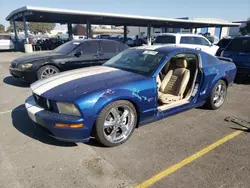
137,86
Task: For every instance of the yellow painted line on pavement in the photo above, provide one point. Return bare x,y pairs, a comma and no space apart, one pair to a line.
186,161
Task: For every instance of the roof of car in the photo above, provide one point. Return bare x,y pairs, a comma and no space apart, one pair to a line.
246,36
178,34
164,48
84,40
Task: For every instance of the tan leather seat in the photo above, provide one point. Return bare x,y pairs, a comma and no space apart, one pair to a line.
174,83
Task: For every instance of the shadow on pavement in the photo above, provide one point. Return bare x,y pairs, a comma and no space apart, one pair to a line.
241,129
11,81
93,142
242,80
22,123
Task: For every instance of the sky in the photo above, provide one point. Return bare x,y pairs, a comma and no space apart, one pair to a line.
221,9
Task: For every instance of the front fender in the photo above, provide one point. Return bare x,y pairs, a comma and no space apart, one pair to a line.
140,94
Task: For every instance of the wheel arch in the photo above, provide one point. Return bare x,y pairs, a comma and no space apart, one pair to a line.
133,102
50,63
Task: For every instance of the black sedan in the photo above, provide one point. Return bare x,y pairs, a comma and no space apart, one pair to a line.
71,55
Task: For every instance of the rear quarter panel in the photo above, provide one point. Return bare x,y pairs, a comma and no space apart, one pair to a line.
213,71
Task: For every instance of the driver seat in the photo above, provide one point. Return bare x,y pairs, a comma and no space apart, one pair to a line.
174,83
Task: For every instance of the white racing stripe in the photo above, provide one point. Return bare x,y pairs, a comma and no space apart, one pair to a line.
58,76
32,110
45,85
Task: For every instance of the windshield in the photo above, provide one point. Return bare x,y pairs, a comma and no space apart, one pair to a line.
67,48
137,60
165,39
239,45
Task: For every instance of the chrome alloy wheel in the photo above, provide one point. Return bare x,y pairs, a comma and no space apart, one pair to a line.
219,94
119,123
49,71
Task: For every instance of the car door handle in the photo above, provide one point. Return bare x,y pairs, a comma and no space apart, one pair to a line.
95,56
198,48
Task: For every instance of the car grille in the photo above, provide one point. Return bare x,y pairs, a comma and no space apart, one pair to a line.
42,102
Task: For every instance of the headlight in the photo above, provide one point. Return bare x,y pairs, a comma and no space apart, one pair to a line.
25,66
67,108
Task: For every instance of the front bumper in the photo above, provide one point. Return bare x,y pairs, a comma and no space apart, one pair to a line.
46,121
26,76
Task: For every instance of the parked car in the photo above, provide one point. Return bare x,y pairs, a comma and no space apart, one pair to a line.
222,45
137,86
6,42
71,55
193,41
239,51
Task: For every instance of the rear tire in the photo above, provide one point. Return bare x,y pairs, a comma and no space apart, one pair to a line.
218,95
47,71
116,123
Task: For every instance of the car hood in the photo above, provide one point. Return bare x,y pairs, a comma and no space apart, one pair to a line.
37,57
71,85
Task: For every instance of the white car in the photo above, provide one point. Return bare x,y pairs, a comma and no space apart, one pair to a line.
194,41
6,42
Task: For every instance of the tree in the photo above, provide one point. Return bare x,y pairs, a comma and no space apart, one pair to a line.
37,27
2,28
19,27
246,29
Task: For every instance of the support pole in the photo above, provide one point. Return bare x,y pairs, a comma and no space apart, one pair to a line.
125,30
220,32
70,31
25,29
149,35
88,30
15,31
195,30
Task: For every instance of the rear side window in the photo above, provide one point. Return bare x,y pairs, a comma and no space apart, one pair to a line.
109,46
239,45
122,47
187,40
5,37
165,39
201,41
90,47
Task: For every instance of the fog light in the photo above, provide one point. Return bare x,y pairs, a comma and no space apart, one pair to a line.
69,125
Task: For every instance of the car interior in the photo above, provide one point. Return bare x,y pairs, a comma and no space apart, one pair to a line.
176,80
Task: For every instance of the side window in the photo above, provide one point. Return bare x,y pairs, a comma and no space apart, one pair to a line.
109,47
187,40
90,47
122,47
201,41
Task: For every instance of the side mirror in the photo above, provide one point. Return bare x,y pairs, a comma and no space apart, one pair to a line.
77,54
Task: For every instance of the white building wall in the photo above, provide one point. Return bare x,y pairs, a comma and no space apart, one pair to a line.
224,32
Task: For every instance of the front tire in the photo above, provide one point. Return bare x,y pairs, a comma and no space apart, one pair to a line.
116,123
47,71
218,95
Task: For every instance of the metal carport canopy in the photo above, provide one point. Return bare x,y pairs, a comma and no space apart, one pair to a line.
63,16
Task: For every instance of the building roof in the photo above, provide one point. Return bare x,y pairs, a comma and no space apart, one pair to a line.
63,16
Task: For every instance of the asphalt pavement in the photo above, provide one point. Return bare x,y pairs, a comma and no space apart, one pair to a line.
30,159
